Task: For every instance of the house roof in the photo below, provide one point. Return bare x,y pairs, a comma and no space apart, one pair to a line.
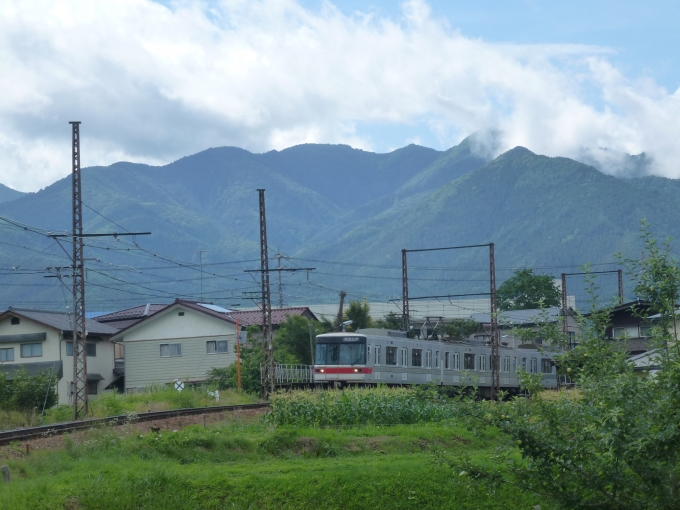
279,315
58,320
33,369
517,317
136,312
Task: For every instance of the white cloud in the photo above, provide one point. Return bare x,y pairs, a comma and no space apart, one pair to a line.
152,83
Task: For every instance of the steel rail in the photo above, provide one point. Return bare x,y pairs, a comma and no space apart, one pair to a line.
55,429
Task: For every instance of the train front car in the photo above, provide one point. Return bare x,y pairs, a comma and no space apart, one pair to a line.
341,359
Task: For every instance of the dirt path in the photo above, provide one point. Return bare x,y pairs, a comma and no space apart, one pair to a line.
19,450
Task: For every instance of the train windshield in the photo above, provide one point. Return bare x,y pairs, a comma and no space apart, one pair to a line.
337,353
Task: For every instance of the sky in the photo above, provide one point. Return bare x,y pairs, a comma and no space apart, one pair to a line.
153,81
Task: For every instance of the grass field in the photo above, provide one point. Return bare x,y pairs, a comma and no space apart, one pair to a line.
254,465
110,403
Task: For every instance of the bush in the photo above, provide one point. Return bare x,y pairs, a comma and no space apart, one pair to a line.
26,392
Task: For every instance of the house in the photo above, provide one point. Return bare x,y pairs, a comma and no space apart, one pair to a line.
526,319
182,341
279,315
626,322
40,340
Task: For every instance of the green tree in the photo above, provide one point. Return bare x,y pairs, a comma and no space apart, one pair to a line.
459,328
359,313
615,444
390,321
526,290
293,337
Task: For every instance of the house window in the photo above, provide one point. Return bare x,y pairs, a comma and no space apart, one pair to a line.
469,361
390,355
7,354
91,350
404,357
428,359
436,359
482,363
92,387
31,350
377,355
546,366
171,350
456,361
506,364
618,332
216,346
572,338
181,314
15,321
416,357
645,331
69,348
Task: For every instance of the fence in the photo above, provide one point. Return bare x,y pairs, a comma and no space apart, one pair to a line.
291,374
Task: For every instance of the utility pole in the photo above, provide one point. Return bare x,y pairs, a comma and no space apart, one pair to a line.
342,304
268,381
79,328
278,257
495,354
200,259
565,324
238,356
406,320
620,274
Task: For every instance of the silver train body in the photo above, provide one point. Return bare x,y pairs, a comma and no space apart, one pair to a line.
388,357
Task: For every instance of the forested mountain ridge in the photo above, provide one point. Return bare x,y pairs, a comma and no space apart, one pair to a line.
331,203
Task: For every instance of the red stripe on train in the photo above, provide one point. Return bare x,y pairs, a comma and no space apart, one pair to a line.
343,370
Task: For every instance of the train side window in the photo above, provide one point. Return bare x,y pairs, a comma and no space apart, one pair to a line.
368,354
506,364
428,359
377,355
447,358
468,361
436,359
404,357
514,365
390,355
524,364
482,362
416,357
546,366
456,361
533,365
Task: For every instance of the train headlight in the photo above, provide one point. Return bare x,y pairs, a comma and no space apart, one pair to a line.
356,370
322,370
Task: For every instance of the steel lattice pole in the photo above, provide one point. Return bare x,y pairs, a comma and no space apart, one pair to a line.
495,355
268,382
404,299
79,328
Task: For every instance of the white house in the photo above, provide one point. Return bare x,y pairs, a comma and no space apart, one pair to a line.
39,340
183,341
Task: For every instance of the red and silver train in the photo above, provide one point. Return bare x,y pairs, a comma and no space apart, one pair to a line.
373,356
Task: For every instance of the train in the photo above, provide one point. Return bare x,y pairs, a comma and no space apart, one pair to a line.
376,356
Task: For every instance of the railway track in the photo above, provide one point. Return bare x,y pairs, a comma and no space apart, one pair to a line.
9,436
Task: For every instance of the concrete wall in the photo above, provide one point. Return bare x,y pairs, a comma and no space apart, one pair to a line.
144,365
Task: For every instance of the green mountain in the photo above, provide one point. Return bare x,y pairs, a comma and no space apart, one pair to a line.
9,194
347,213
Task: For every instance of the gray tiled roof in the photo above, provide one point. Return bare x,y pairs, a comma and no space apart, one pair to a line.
517,317
136,312
61,320
33,368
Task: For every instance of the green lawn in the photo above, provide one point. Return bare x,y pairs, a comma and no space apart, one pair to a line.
252,465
